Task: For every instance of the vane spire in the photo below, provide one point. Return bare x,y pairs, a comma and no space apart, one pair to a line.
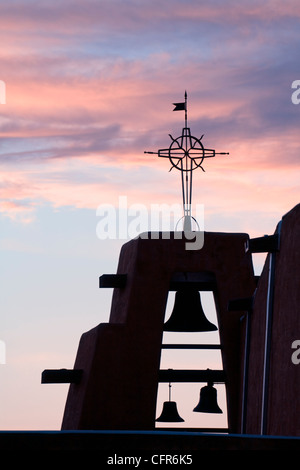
186,153
182,107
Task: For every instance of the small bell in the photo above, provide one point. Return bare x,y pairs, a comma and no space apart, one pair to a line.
169,412
208,400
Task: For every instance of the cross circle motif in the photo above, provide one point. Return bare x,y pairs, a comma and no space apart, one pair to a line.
186,153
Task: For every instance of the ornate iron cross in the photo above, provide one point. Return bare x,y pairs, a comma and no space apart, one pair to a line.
186,153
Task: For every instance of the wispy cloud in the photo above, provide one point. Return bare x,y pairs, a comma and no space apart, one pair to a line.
93,83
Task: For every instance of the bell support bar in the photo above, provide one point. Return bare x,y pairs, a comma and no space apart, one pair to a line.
202,281
51,376
191,346
171,375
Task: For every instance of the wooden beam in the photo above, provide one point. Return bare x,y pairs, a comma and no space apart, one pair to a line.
202,281
170,375
266,244
58,376
113,280
191,346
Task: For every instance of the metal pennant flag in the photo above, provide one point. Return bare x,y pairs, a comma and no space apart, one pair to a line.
179,106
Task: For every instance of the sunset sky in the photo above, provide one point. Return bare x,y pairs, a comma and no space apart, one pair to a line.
89,88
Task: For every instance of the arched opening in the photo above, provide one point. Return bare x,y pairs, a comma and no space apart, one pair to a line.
192,351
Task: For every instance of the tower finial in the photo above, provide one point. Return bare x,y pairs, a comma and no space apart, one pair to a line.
186,153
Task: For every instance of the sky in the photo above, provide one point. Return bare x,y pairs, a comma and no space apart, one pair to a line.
90,86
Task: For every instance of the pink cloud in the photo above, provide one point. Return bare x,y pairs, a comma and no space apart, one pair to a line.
103,110
65,16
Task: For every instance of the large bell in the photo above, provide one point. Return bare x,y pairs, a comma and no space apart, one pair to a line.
169,413
188,314
208,400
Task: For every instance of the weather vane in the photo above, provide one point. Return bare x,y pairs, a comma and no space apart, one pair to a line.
186,153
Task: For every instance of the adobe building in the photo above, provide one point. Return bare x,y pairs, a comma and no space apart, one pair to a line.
116,373
273,402
114,382
120,360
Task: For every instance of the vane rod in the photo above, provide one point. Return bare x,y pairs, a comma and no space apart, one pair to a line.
186,153
185,108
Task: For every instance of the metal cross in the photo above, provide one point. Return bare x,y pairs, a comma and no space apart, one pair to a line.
186,153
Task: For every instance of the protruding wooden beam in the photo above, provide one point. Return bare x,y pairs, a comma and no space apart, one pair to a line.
113,280
59,376
265,244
